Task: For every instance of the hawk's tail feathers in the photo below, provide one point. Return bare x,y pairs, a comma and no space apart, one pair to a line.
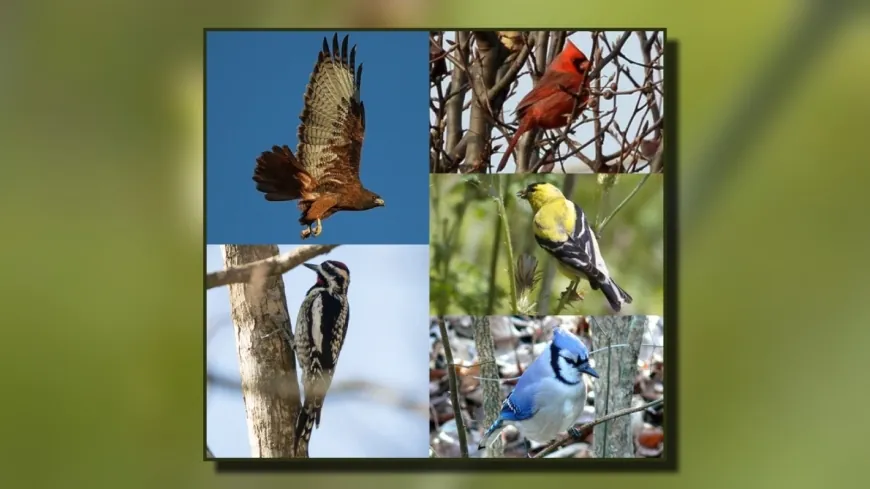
308,419
280,176
615,295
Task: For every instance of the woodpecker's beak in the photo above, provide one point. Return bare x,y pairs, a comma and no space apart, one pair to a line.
311,266
588,370
379,202
522,194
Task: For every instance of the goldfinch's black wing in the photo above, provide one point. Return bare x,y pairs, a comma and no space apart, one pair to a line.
579,251
596,270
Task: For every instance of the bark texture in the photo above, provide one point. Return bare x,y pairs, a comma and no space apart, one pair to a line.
613,391
485,346
266,362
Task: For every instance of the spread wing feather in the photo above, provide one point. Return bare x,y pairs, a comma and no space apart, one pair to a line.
333,118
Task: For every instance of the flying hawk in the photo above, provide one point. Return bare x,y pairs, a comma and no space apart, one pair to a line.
324,173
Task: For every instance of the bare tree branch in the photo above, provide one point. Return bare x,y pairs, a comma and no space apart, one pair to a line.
567,439
454,390
373,392
275,265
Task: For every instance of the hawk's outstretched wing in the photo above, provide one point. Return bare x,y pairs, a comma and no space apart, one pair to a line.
333,118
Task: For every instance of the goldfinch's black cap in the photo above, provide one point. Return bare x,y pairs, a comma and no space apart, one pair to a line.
525,192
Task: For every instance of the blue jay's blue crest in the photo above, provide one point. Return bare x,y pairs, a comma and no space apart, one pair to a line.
550,394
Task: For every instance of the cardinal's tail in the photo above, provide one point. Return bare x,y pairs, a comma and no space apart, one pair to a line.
522,129
280,176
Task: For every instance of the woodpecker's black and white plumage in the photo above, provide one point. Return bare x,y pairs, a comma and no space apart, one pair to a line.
321,327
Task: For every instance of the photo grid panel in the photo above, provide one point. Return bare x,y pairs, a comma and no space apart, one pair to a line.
317,257
533,245
547,231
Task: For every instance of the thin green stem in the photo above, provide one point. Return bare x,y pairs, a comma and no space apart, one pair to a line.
510,249
493,266
622,204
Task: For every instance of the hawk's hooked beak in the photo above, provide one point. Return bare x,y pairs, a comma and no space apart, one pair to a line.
379,202
522,194
311,266
588,370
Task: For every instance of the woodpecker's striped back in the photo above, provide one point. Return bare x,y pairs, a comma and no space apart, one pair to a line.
321,327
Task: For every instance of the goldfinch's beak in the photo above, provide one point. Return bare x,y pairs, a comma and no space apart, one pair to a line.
522,194
311,266
379,202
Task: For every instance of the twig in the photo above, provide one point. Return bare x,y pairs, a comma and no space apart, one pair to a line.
275,265
493,266
606,393
567,439
382,394
622,204
510,249
454,389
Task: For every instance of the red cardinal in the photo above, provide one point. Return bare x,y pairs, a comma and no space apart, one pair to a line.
550,103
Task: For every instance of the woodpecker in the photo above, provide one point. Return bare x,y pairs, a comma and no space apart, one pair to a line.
321,327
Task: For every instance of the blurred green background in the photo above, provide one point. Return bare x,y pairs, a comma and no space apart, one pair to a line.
103,256
467,234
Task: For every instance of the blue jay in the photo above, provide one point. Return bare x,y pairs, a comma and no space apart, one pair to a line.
550,395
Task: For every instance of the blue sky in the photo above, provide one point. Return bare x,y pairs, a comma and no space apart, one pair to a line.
387,343
255,87
625,104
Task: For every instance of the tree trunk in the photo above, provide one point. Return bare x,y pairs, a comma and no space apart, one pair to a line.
267,364
485,346
614,389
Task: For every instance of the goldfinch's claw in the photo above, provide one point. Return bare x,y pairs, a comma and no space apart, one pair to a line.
318,229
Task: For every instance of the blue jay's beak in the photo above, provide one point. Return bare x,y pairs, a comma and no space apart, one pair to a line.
317,268
588,370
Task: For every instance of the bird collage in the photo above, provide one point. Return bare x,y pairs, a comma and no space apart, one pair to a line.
507,191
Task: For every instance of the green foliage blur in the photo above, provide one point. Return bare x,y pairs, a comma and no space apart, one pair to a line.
470,271
102,256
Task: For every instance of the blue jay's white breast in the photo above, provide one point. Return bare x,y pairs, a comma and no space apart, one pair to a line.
559,405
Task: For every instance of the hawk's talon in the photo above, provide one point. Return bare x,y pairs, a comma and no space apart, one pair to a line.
306,232
318,229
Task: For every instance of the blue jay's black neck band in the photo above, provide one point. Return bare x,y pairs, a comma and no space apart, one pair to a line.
554,364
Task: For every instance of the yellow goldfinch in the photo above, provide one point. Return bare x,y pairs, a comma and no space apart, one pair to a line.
561,228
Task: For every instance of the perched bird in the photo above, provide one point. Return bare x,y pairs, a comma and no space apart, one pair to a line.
321,327
324,173
550,103
550,394
562,230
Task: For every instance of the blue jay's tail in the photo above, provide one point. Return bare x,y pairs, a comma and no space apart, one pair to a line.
492,431
615,295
